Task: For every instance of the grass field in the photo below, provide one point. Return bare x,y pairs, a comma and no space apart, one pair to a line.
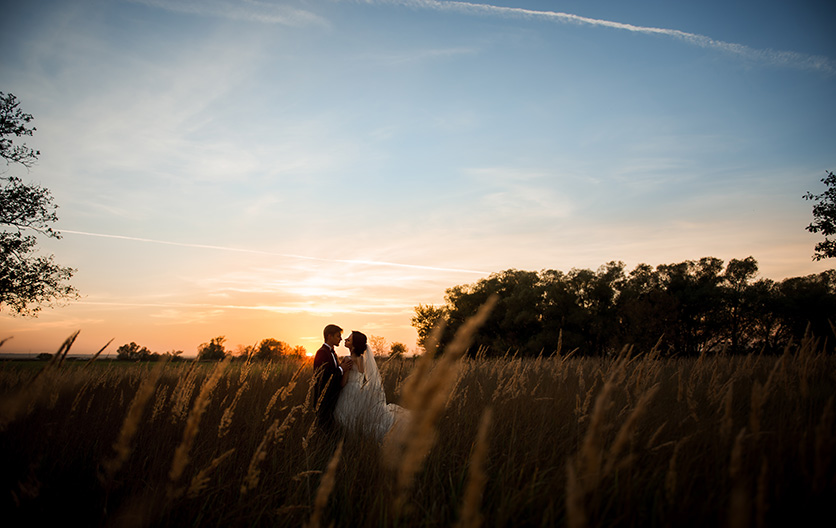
634,440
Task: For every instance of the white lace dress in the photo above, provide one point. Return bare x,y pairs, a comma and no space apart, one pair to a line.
362,405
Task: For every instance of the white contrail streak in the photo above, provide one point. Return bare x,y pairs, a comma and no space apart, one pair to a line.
285,255
778,58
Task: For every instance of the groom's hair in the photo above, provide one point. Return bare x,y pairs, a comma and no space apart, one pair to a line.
331,329
359,341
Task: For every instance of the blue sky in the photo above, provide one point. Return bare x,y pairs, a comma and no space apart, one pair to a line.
260,169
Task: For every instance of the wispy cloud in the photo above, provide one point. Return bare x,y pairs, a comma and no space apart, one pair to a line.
249,10
522,195
767,56
285,255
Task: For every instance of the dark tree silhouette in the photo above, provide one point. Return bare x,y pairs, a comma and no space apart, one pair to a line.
133,352
397,350
270,349
824,217
685,308
27,281
213,350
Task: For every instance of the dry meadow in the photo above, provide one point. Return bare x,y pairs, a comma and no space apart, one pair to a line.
629,440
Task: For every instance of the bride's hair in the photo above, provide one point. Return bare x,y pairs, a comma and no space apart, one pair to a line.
359,340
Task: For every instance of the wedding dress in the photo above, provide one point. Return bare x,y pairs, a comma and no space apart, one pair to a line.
362,403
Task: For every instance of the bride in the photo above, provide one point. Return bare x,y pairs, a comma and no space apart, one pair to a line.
362,403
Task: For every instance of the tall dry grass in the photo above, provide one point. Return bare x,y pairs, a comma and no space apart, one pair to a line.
630,440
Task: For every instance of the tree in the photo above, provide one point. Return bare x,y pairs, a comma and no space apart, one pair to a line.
377,344
270,349
133,352
824,217
425,320
213,350
738,276
13,122
174,355
398,349
27,281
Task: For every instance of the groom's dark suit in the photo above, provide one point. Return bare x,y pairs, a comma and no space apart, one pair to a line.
328,380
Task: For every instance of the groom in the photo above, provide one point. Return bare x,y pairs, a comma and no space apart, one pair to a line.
328,374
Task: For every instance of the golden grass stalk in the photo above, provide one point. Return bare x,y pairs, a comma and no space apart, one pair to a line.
59,356
79,396
413,443
671,475
739,506
182,393
122,446
761,502
736,459
274,433
655,436
97,354
11,407
159,402
757,399
326,485
266,371
306,440
825,445
575,498
282,393
477,478
626,430
226,417
309,403
200,480
727,424
245,370
271,404
181,454
591,455
423,366
305,474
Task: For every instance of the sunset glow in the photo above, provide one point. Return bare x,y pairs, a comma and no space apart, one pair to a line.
255,173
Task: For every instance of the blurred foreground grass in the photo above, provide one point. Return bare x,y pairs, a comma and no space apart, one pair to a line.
634,440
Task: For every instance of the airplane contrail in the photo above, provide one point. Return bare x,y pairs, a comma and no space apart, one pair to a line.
779,58
275,254
268,13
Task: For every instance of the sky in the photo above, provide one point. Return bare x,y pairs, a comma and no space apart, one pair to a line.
259,169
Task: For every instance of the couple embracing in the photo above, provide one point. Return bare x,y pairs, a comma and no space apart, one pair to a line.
350,392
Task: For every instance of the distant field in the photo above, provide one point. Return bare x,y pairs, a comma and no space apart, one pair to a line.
629,441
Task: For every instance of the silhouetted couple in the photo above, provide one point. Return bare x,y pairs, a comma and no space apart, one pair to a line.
349,391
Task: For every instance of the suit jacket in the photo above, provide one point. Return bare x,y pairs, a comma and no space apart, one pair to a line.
328,384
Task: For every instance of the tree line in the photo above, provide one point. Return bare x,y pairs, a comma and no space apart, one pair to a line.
679,309
266,350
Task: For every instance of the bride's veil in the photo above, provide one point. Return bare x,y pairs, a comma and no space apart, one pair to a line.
373,381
